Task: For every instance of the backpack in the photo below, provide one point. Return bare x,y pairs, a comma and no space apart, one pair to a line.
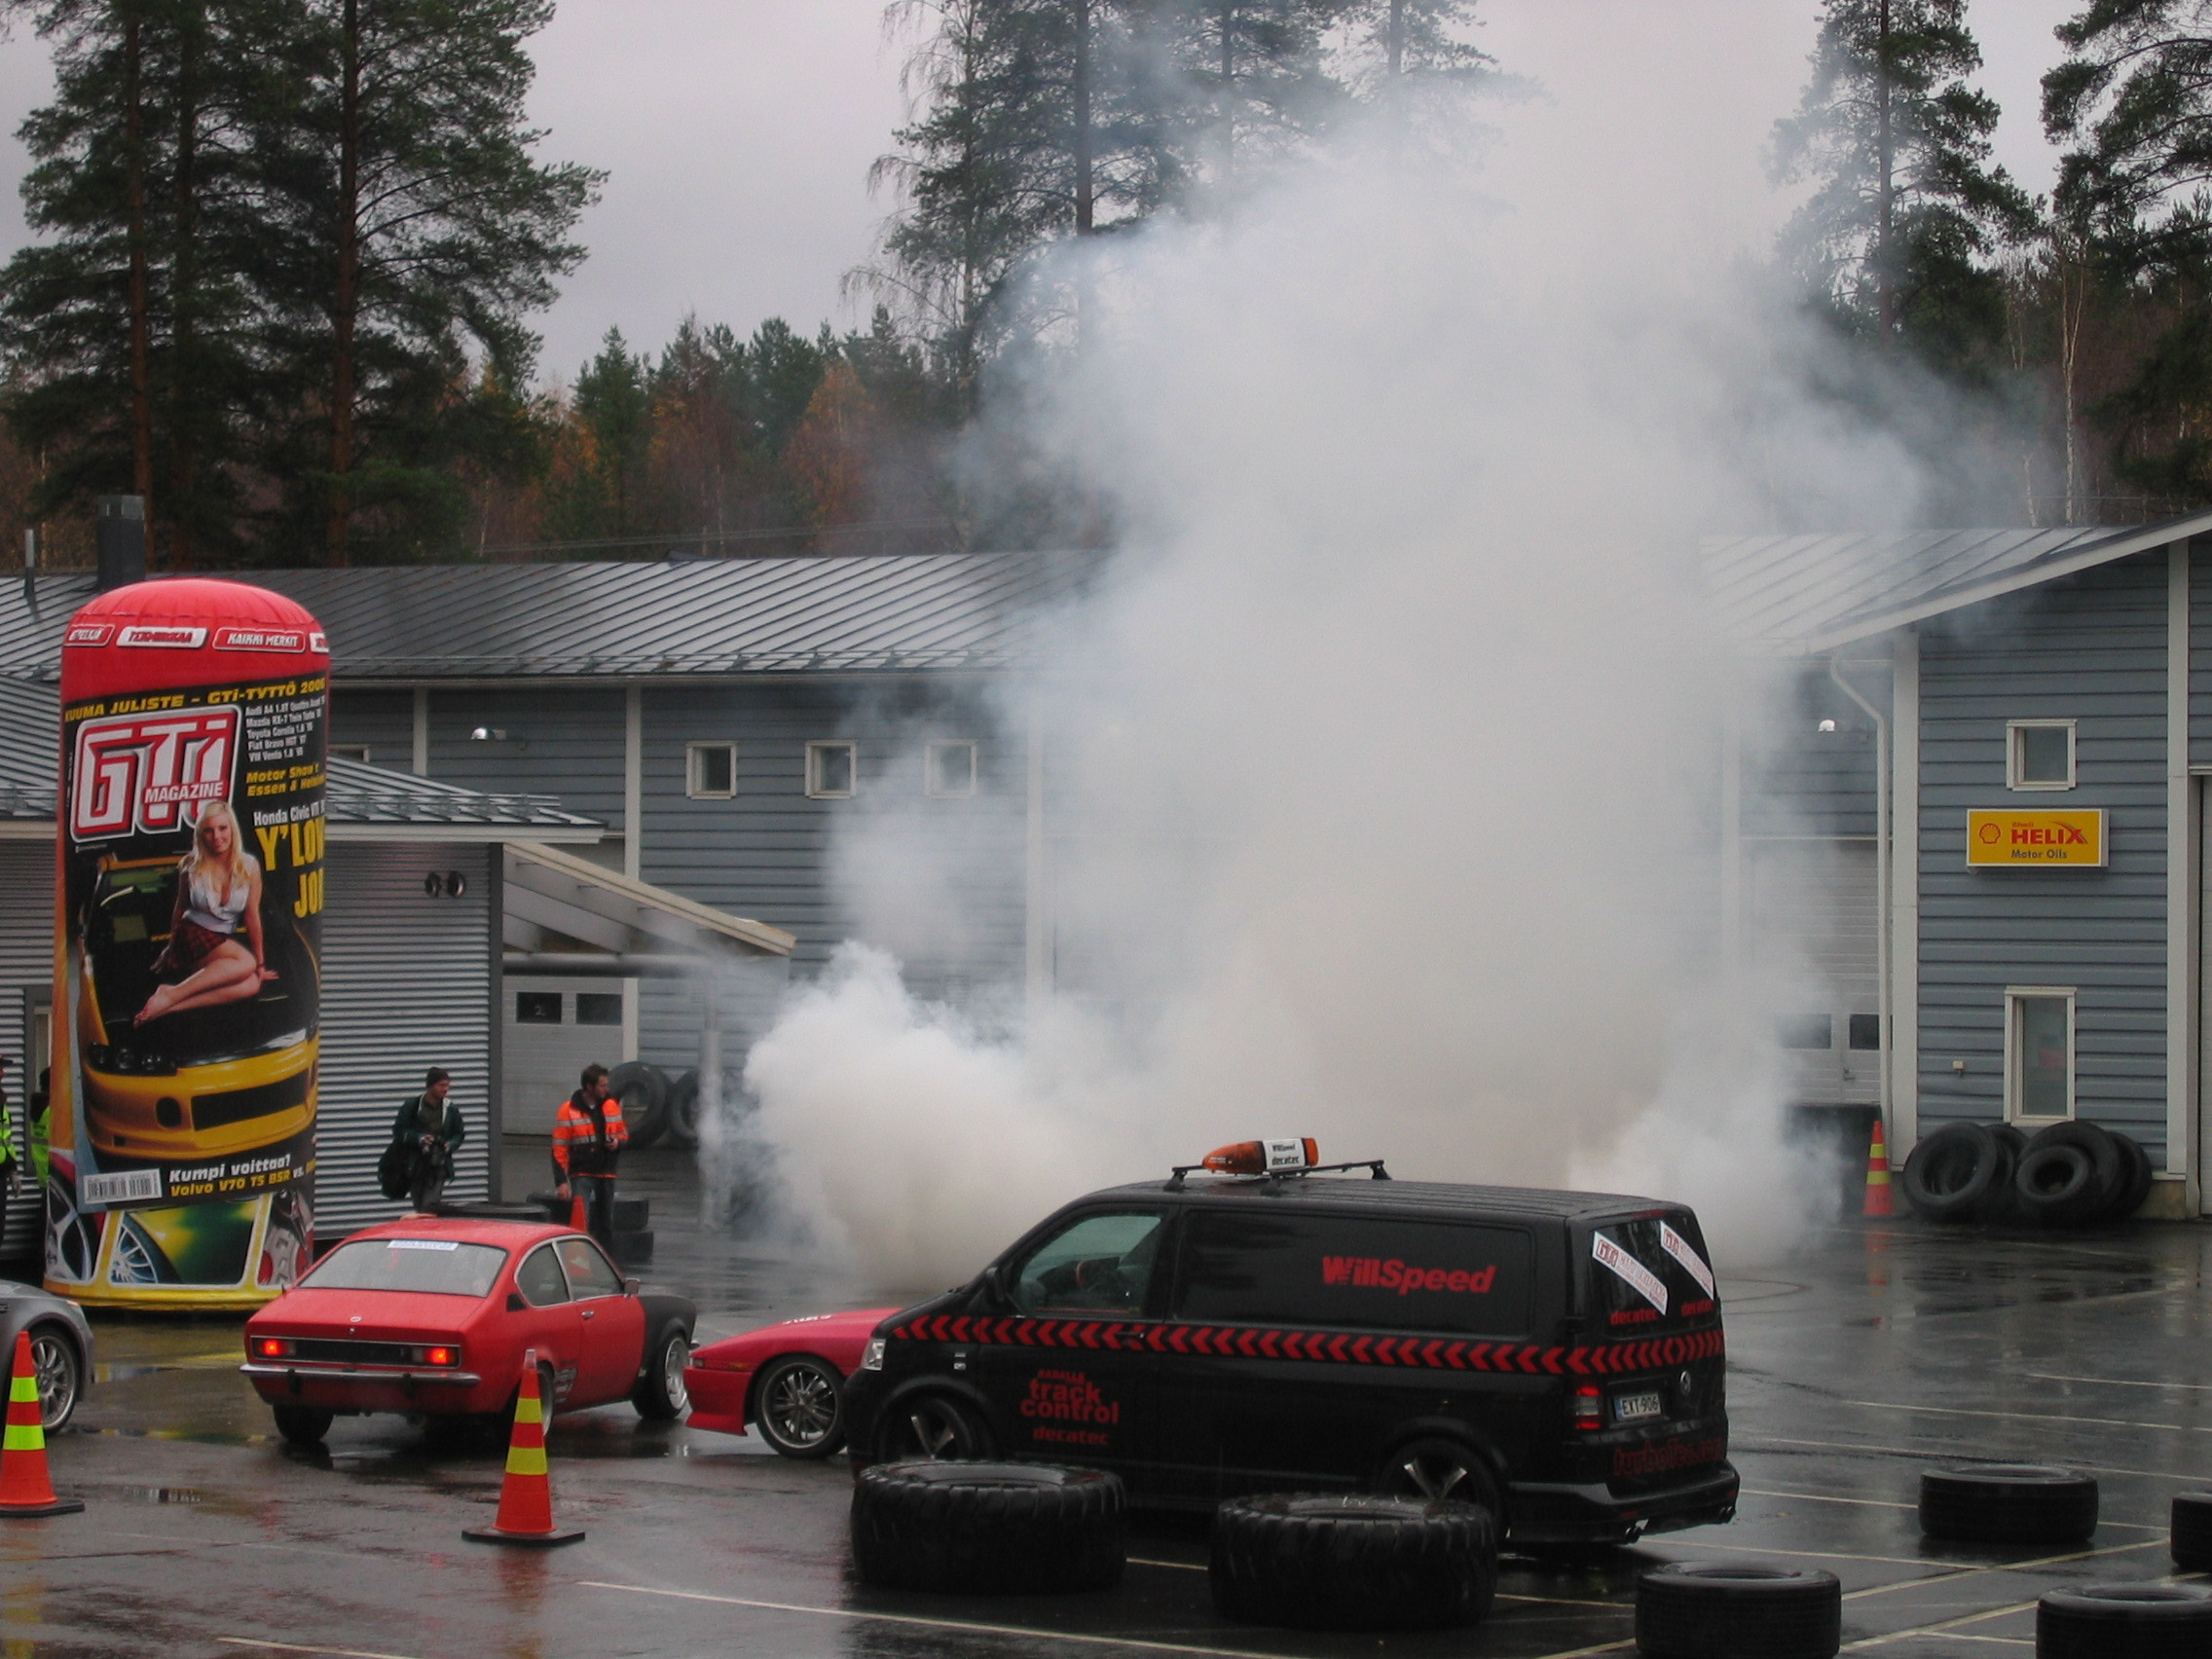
396,1170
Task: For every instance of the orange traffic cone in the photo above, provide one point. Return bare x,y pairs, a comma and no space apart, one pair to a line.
576,1214
1878,1200
24,1489
526,1497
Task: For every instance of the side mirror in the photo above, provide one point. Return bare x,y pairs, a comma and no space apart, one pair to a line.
631,1288
515,1302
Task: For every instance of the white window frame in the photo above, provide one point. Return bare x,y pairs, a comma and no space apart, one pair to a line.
2013,777
814,753
692,771
2013,1091
929,754
350,751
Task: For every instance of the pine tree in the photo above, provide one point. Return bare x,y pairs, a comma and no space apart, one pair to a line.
1905,209
1259,80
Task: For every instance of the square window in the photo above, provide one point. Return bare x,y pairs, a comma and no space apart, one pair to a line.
537,1007
2039,1041
2039,754
950,769
832,770
710,771
1806,1031
1865,1033
599,1008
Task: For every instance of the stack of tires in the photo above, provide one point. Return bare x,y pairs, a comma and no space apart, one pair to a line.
2070,1174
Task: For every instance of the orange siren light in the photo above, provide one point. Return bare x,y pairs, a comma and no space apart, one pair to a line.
1263,1158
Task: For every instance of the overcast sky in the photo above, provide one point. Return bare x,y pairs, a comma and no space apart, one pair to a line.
738,133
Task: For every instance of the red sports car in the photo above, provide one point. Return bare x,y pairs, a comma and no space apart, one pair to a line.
432,1315
790,1379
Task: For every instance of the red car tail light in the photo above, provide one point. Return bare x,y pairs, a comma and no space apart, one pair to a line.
440,1354
269,1348
1589,1407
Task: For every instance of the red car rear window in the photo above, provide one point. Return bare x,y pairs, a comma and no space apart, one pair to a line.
445,1266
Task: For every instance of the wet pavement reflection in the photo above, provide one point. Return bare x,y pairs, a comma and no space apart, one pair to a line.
1852,1367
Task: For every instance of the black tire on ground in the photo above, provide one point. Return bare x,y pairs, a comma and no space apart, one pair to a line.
924,1426
2135,1181
1952,1172
2191,1531
684,1110
2104,1152
302,1425
798,1405
984,1527
1353,1562
660,1395
643,1091
2142,1621
2008,1503
2058,1186
632,1215
1726,1610
1433,1468
631,1248
2004,1207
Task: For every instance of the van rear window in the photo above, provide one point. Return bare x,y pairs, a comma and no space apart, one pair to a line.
1647,1273
1254,1268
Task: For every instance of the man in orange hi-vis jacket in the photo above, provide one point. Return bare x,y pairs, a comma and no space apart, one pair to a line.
588,1138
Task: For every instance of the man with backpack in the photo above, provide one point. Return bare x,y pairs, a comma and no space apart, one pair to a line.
423,1138
588,1138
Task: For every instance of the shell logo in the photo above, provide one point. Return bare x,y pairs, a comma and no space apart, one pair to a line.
1991,834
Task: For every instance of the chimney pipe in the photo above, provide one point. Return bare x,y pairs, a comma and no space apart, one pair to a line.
122,541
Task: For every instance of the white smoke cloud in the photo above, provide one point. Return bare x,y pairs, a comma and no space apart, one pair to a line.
1386,753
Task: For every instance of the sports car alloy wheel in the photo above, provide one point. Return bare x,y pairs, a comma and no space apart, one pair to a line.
72,1237
673,1359
53,1362
801,1410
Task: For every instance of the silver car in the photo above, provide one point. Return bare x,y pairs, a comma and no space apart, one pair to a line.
61,1346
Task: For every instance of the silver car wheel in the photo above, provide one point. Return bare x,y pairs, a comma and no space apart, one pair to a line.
673,1359
802,1404
53,1365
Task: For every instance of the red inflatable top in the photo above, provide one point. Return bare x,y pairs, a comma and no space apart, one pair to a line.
187,631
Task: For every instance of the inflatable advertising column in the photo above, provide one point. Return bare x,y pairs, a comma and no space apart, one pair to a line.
187,961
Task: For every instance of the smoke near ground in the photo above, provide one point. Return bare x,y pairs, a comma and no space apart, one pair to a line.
1385,750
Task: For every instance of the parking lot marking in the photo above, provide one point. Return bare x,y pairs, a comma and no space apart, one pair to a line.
2031,1416
1823,1497
1930,1454
2115,1382
303,1648
861,1614
1943,1627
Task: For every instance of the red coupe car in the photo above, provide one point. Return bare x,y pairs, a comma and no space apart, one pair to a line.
432,1315
788,1378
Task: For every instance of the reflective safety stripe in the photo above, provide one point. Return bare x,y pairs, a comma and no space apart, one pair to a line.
526,1460
22,1390
23,1437
527,1410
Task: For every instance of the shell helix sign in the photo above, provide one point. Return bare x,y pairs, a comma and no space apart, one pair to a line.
2017,838
187,946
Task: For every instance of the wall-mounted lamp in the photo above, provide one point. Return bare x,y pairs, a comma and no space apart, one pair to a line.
487,734
444,884
1825,725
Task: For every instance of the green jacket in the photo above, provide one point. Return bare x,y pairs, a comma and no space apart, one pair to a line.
409,1123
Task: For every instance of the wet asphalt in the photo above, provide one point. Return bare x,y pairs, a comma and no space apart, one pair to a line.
1852,1367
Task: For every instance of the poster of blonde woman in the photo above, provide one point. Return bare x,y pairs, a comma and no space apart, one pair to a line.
189,907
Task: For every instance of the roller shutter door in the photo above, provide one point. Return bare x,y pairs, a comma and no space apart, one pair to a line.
26,977
406,985
1812,913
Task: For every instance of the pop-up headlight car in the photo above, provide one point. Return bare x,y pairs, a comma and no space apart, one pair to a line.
1260,1323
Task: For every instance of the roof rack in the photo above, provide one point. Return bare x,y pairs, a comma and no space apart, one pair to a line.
1277,1177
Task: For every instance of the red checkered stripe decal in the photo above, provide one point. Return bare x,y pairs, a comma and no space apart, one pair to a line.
1251,1342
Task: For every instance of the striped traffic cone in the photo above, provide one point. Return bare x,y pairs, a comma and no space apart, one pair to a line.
525,1496
25,1491
576,1214
1878,1198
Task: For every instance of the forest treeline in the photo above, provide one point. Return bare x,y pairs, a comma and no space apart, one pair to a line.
287,252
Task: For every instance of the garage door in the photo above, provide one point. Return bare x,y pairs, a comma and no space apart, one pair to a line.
1812,911
554,1027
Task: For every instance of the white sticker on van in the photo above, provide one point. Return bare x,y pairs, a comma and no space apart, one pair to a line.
1678,1247
1631,1272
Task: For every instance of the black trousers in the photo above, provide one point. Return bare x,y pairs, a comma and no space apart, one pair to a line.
598,1195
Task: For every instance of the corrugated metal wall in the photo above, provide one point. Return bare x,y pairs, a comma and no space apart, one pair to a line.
2093,648
381,721
26,964
558,741
1811,914
406,986
1801,781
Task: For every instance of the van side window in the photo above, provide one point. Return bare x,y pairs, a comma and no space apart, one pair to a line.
1353,1271
1095,1263
540,1279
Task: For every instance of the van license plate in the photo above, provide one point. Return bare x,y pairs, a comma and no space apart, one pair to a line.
1634,1407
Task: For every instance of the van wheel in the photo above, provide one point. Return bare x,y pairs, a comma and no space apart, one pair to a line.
931,1427
1705,1610
1018,1527
302,1425
1436,1469
1352,1563
2008,1503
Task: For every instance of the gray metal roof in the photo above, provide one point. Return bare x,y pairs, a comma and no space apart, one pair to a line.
1814,593
837,614
358,795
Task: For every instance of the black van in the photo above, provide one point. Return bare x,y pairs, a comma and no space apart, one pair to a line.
1555,1356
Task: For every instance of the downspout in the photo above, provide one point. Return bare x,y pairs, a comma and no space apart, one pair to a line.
1881,878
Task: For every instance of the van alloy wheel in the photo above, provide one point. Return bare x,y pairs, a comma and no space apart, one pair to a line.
932,1426
1435,1469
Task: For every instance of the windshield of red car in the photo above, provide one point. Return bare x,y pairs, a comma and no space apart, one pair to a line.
444,1267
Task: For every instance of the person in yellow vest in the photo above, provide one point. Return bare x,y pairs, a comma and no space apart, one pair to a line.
588,1138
